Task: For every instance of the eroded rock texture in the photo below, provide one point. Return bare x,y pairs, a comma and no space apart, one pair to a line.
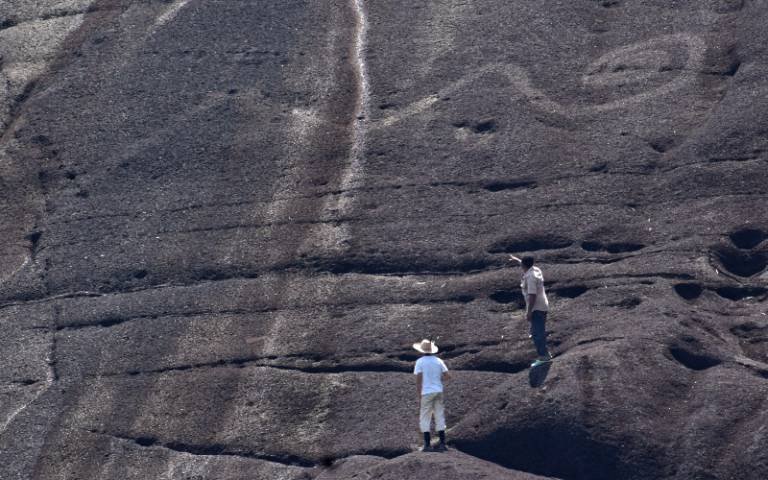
224,223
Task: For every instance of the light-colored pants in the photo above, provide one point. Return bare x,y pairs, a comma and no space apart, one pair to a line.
432,403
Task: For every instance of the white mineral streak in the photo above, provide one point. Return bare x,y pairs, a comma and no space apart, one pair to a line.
50,378
334,237
170,13
306,125
26,51
649,56
354,172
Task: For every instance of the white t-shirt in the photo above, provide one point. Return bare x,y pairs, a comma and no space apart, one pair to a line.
533,283
432,369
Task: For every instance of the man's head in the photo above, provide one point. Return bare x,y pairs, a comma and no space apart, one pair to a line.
527,262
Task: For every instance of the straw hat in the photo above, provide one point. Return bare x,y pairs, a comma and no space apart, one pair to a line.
425,346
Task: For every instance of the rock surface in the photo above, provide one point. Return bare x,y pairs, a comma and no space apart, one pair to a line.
224,223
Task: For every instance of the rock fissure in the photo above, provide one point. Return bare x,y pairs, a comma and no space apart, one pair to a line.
211,449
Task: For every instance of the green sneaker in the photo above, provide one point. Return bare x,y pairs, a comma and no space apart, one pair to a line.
541,361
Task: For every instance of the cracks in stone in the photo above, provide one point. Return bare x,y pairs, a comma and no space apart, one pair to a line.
115,320
211,449
340,368
486,184
599,340
111,321
50,360
49,298
665,275
446,351
269,362
25,382
715,160
397,267
648,203
204,278
335,221
399,362
246,452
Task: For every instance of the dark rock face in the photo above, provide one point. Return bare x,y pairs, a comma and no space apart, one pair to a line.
224,223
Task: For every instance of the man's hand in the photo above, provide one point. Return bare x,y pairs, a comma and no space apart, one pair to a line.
529,316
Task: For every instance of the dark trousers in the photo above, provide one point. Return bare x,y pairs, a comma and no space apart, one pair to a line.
539,332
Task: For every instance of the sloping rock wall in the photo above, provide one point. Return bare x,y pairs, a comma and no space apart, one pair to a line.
224,223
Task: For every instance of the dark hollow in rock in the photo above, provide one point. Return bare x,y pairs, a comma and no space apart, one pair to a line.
485,127
500,186
507,296
41,140
495,366
732,69
458,299
560,450
465,298
661,145
741,293
34,240
570,292
146,441
748,237
748,330
7,23
739,262
628,303
410,357
394,266
530,244
689,291
594,246
693,360
139,274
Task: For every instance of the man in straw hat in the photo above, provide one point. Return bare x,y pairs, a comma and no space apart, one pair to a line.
536,306
430,371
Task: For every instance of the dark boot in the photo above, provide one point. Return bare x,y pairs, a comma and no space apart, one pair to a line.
427,443
441,447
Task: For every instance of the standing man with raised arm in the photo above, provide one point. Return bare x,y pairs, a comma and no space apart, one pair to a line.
536,306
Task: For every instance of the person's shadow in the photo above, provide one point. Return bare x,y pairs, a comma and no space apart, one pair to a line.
537,375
